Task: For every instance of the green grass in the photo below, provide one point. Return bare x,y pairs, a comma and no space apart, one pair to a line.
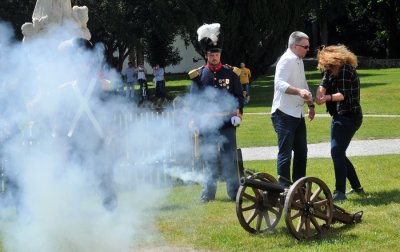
379,90
256,130
183,221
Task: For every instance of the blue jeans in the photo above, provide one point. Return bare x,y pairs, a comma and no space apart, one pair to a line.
292,136
343,129
219,155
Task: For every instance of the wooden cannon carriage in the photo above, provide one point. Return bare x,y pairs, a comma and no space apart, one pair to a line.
307,205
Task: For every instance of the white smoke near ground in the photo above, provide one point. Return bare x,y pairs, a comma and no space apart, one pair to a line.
68,147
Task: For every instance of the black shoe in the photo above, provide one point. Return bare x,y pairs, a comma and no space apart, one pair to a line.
339,196
359,190
205,199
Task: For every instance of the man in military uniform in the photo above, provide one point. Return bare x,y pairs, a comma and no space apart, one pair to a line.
218,149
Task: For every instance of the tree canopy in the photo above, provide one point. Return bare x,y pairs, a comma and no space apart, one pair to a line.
255,31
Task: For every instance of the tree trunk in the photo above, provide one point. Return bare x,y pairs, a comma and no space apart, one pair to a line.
393,48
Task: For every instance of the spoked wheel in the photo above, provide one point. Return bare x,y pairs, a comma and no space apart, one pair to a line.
308,208
258,210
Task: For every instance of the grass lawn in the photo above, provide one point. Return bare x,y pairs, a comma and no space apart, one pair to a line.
257,130
379,90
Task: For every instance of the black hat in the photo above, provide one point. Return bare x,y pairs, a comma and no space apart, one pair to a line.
210,37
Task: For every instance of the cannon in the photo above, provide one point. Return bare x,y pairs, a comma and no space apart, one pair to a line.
307,206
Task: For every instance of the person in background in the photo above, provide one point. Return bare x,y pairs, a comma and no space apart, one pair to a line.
340,91
141,76
159,81
245,76
291,92
130,80
218,146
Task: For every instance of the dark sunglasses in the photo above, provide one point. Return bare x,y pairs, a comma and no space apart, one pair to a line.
305,47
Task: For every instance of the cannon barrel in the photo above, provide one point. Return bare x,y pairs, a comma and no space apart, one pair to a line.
265,186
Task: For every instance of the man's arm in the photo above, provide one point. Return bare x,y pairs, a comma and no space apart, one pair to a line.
282,75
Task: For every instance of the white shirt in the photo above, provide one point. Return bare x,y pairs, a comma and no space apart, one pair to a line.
289,72
141,73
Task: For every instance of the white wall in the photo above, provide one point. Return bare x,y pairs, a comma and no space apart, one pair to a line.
187,54
186,64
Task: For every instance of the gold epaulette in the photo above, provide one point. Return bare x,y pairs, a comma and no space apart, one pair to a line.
195,72
236,70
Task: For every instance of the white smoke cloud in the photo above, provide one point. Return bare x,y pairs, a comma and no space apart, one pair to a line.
69,148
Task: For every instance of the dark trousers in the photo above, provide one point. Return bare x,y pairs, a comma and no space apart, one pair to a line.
343,129
292,136
219,155
160,89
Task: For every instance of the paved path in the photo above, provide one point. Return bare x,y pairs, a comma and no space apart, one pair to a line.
326,115
356,148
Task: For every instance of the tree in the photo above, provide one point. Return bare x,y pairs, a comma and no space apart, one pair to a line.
388,20
17,12
255,31
161,26
368,27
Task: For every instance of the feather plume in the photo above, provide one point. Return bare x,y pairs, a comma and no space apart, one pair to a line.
210,31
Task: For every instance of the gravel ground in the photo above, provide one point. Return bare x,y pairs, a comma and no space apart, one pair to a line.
356,148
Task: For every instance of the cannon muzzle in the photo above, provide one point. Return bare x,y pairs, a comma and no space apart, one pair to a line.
262,185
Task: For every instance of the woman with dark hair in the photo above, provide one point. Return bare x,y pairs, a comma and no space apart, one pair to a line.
340,91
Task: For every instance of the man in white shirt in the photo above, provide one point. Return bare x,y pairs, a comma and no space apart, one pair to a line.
290,93
158,73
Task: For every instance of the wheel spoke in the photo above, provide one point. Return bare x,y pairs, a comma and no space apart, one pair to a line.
300,224
273,210
308,228
316,225
301,195
253,206
250,197
259,222
321,203
316,194
308,191
296,215
267,219
251,217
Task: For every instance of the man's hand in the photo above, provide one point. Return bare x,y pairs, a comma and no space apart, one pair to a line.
305,94
311,113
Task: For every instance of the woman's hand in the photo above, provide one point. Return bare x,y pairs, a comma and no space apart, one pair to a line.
320,97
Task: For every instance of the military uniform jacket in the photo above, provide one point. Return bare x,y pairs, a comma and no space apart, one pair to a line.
222,77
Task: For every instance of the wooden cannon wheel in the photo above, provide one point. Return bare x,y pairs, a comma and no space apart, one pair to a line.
258,210
308,208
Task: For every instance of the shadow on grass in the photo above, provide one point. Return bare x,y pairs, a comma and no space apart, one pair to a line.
378,198
171,208
332,235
